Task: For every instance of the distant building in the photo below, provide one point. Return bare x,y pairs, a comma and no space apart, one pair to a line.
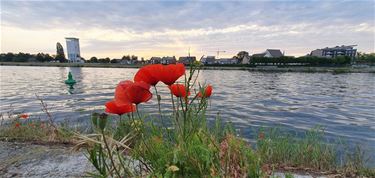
243,57
335,51
227,61
126,61
317,53
258,55
168,60
73,50
155,60
59,50
269,53
60,55
246,60
187,59
208,60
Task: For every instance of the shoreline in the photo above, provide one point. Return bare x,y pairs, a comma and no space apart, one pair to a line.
336,70
53,160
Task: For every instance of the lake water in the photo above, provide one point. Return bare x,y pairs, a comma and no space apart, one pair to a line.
344,104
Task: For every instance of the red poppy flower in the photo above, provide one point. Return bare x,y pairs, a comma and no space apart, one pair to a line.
207,92
178,90
170,73
149,74
17,125
24,116
112,107
132,92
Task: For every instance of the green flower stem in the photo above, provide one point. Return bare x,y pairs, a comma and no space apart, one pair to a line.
159,105
110,154
160,113
175,113
185,118
173,106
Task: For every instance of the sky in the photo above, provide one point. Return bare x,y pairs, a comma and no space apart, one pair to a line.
173,28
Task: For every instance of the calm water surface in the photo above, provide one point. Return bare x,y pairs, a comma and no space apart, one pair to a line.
344,104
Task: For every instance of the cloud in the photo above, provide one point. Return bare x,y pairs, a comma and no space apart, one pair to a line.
114,28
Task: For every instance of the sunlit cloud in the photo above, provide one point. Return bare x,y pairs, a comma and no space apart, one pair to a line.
117,28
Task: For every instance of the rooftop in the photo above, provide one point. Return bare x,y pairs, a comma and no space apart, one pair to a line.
71,38
340,47
275,52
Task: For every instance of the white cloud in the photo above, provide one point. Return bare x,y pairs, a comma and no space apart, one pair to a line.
170,28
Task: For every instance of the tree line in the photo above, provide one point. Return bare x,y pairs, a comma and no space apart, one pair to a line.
304,60
127,59
45,57
361,58
26,57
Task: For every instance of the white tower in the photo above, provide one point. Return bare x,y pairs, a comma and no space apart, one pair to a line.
72,48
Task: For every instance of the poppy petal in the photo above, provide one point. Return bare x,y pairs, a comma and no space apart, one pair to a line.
120,92
137,94
207,92
171,73
178,90
112,107
149,74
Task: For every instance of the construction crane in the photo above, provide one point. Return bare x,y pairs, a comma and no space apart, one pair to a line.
218,52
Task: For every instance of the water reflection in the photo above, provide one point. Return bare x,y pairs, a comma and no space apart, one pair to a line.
78,77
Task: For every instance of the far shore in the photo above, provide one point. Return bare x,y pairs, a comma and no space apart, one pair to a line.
345,69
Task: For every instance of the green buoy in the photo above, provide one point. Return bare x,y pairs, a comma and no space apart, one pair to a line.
70,81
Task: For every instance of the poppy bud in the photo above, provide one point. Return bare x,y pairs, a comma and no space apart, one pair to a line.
179,90
159,98
103,121
206,92
94,119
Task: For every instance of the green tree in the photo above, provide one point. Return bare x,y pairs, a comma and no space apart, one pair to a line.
8,57
61,58
40,57
48,58
126,57
364,58
93,59
240,55
21,57
104,60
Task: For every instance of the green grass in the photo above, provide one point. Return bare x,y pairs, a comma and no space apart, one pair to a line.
286,150
36,133
205,152
310,153
33,129
210,149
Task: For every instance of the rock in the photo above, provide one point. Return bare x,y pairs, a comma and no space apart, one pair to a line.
33,160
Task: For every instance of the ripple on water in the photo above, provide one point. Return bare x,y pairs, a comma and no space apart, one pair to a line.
343,104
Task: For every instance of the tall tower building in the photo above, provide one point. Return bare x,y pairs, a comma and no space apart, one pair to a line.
59,50
72,48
